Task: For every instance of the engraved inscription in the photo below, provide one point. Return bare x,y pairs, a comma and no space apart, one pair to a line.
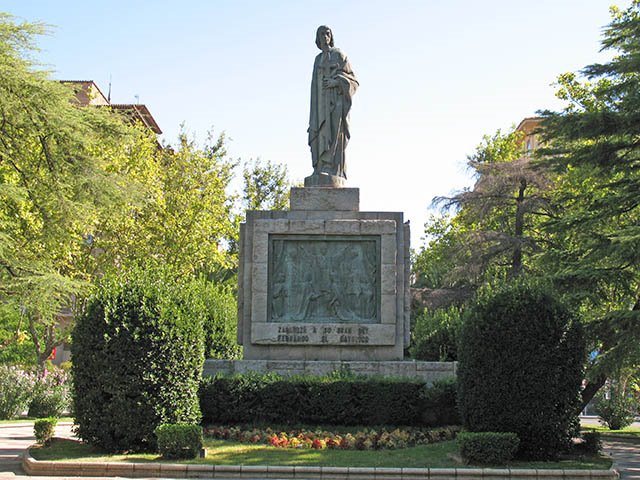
344,334
324,279
338,335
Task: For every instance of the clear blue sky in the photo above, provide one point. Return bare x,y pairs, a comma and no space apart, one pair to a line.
435,75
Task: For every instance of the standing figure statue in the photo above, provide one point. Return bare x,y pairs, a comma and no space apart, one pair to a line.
332,88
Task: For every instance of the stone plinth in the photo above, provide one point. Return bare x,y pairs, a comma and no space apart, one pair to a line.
325,199
324,180
323,281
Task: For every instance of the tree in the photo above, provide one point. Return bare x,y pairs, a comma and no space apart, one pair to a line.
593,146
183,217
55,179
266,186
502,208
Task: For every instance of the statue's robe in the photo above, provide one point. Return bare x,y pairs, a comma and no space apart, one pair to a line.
329,117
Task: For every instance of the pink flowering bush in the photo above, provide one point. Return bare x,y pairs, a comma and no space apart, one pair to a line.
368,439
16,387
51,394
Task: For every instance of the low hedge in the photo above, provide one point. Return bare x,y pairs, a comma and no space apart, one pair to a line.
179,440
44,429
491,448
441,404
269,398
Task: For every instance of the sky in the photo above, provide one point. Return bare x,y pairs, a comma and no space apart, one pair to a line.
435,76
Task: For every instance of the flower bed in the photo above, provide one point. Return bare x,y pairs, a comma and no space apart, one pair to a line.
367,439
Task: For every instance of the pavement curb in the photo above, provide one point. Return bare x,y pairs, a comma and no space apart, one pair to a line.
174,470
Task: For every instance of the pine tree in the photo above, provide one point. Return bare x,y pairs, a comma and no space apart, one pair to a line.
594,146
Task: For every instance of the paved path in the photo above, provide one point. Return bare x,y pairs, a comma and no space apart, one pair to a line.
16,438
625,452
626,457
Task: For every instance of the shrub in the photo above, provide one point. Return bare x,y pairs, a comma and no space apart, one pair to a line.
179,440
492,448
50,396
520,369
441,403
616,412
137,360
16,387
591,443
435,335
220,323
44,429
331,400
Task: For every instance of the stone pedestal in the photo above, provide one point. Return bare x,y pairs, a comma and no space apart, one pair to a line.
426,371
323,281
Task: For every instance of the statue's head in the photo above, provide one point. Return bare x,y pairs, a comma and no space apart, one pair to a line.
321,31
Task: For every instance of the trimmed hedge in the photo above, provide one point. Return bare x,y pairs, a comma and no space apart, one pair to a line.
441,404
179,440
44,429
331,400
520,369
490,448
137,360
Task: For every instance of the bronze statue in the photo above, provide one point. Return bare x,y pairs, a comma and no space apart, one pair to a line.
332,88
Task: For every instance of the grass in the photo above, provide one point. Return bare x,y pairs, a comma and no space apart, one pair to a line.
28,420
223,452
631,432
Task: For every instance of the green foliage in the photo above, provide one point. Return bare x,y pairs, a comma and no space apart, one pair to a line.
615,409
436,264
180,214
520,368
16,347
16,386
593,147
266,186
435,335
497,219
591,443
490,448
50,397
44,429
57,180
137,359
220,323
251,398
179,440
440,405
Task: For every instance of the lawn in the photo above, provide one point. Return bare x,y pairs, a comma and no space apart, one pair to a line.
28,420
631,432
223,452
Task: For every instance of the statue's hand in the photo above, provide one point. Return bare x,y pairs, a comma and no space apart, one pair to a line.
330,83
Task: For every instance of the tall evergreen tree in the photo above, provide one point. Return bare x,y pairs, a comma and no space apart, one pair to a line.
594,144
57,177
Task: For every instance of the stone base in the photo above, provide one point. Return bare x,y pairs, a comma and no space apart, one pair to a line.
325,199
324,281
427,371
324,180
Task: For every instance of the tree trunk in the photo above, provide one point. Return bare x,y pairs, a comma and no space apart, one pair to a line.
516,262
591,389
44,346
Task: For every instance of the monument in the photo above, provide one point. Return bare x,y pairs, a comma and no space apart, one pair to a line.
324,285
333,85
